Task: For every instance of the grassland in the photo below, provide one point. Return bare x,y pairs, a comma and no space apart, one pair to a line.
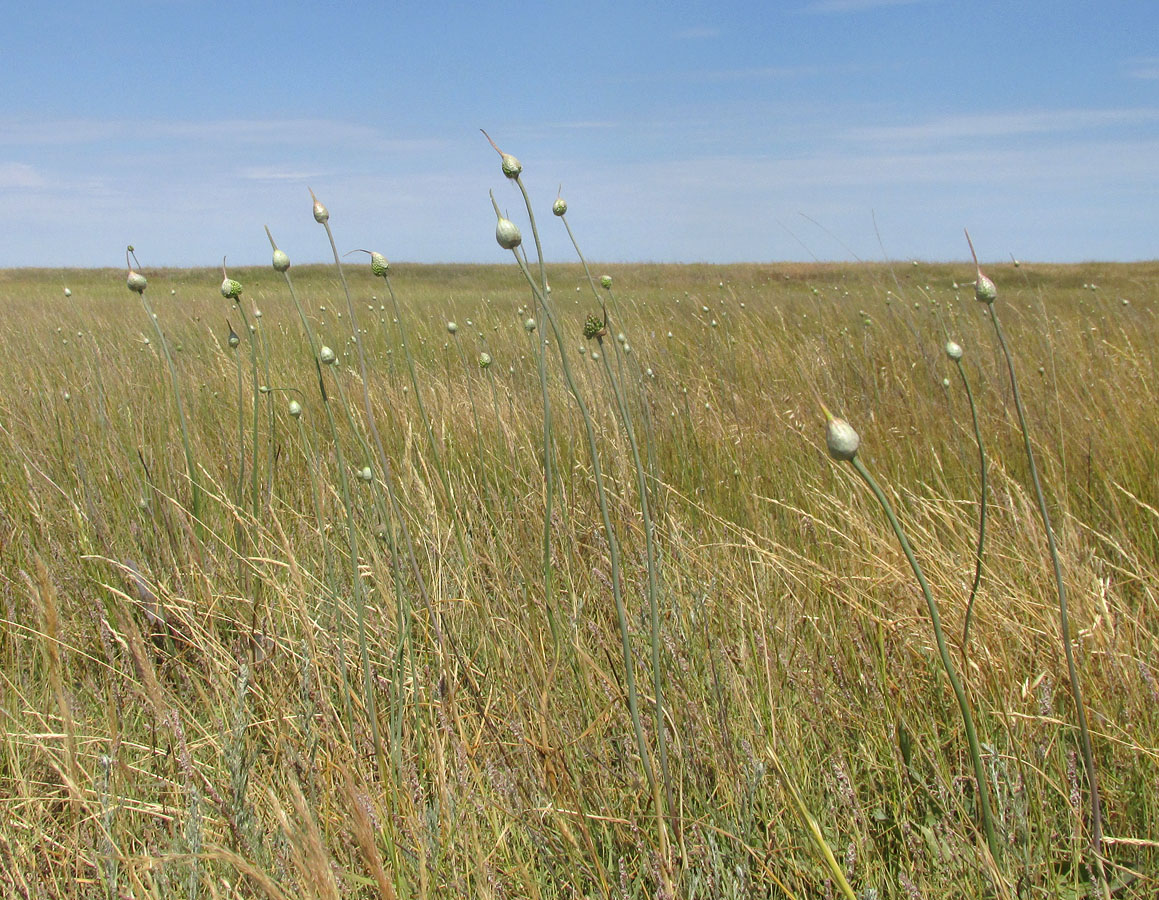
223,708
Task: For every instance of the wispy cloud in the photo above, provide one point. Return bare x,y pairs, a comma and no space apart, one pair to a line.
991,125
277,173
1144,68
829,7
19,176
703,32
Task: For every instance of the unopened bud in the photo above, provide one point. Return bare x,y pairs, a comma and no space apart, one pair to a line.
321,214
281,261
507,234
841,439
136,282
295,409
559,207
327,356
953,351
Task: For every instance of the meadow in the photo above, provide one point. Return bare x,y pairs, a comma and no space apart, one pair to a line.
275,626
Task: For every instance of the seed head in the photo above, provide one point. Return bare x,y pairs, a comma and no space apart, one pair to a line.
295,409
559,207
953,351
327,356
841,439
321,214
281,261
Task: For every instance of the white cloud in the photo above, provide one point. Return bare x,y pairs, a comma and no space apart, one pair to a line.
846,6
1144,68
20,176
1003,125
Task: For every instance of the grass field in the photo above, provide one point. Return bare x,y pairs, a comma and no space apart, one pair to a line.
351,679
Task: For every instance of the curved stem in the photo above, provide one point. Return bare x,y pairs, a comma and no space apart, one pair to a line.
1063,619
947,662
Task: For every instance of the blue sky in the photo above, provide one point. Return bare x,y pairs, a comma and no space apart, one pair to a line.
684,131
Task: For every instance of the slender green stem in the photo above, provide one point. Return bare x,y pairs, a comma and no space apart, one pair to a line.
947,662
1063,619
982,503
653,582
194,480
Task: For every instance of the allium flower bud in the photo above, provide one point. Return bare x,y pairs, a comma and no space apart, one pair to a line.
985,290
321,214
606,282
484,360
452,328
295,409
594,328
136,282
281,261
511,166
327,356
67,292
953,351
559,207
366,474
529,326
230,289
233,340
841,440
507,234
378,265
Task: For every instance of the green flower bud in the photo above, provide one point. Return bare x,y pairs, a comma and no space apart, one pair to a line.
484,360
327,356
230,289
606,282
295,409
594,328
985,290
452,328
529,326
507,234
953,351
366,474
67,292
233,339
136,282
378,265
511,166
321,214
841,439
559,207
281,261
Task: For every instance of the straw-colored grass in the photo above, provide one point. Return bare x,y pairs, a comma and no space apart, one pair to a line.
185,711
